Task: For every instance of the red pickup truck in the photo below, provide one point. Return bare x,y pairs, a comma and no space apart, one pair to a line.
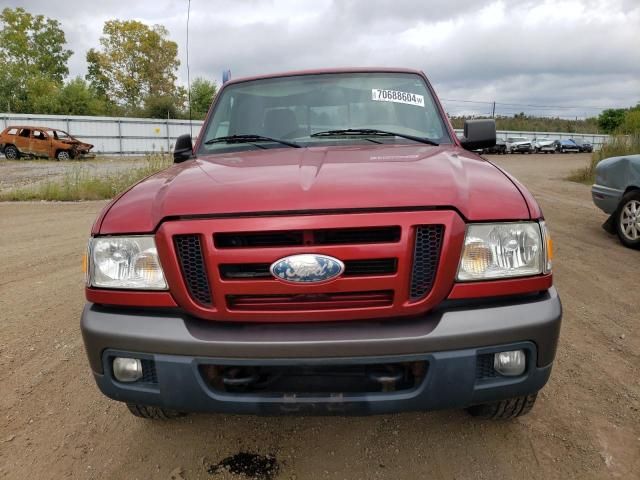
327,245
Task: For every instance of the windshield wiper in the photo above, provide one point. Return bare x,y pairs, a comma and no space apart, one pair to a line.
372,131
249,138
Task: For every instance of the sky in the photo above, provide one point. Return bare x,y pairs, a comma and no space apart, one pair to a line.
566,58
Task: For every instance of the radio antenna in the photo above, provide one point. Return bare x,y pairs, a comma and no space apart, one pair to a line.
188,71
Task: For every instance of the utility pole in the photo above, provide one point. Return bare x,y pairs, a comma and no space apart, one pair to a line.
493,110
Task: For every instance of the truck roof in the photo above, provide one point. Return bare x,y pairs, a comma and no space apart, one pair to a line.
327,70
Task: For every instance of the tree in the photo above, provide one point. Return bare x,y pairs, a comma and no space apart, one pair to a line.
160,106
611,119
32,52
135,61
631,122
202,93
77,97
42,95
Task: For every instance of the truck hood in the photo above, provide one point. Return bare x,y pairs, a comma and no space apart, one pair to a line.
319,178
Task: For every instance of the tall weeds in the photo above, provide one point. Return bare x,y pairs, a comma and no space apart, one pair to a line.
84,183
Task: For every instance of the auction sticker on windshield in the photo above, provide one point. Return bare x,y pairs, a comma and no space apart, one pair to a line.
397,97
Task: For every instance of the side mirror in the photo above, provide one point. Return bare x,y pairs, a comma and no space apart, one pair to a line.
478,134
183,150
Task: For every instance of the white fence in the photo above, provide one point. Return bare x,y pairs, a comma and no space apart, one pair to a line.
114,135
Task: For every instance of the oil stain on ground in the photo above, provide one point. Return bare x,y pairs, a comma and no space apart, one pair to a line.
251,465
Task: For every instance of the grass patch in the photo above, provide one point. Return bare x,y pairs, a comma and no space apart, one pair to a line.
616,147
82,183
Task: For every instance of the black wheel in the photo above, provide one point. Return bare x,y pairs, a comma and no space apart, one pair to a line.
628,220
63,155
11,152
153,413
504,409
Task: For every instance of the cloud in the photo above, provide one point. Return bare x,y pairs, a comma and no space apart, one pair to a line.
565,52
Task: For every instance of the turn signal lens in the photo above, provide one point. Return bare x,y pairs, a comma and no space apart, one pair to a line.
548,248
476,257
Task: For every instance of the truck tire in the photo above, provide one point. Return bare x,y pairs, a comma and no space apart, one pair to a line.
11,152
63,155
153,413
504,409
627,219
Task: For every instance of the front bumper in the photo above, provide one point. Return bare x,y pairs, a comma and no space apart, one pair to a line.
521,148
449,339
605,198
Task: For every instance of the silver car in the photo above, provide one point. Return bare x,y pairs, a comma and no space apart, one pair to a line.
617,192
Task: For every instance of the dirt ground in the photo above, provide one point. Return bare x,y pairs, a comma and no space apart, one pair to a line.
54,423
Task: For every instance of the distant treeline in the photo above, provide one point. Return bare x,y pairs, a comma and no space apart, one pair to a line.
530,123
624,121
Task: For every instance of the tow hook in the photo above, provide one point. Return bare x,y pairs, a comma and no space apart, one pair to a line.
239,377
387,376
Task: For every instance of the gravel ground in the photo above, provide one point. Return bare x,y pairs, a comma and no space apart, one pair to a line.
55,424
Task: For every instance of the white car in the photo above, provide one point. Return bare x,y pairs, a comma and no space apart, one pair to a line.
519,144
543,145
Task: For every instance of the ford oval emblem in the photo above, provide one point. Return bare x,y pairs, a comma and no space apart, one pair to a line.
307,268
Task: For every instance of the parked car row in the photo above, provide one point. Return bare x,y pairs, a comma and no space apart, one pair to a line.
539,145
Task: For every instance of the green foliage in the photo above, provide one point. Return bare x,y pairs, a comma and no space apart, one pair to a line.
41,94
82,183
617,146
33,57
630,124
202,93
163,106
135,61
77,97
611,119
531,123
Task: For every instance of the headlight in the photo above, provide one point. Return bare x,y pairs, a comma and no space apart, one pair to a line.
502,250
125,262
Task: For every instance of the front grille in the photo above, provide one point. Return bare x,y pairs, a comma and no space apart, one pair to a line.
425,259
291,238
360,268
484,366
312,301
191,261
390,259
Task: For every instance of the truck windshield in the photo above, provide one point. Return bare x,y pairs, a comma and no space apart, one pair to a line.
355,108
